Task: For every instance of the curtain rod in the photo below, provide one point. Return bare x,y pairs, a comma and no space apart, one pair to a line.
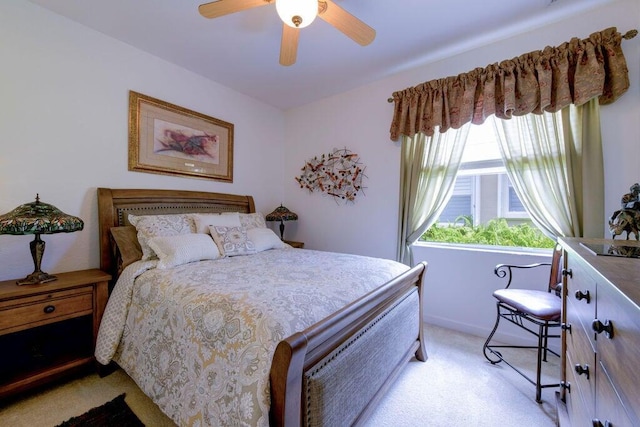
627,36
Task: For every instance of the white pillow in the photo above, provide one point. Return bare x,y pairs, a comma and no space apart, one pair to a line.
265,238
203,221
182,249
252,220
232,241
149,226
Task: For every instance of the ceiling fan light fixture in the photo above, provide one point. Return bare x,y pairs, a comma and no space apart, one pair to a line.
297,13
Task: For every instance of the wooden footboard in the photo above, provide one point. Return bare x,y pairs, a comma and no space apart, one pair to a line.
298,358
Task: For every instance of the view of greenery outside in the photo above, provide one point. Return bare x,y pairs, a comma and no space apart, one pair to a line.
495,232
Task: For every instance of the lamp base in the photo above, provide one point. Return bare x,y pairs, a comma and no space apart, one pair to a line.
37,277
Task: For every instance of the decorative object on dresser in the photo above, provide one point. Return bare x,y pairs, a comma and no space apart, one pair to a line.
627,218
48,331
171,140
601,336
535,311
282,214
38,218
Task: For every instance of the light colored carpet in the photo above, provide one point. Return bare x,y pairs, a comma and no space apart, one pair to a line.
455,387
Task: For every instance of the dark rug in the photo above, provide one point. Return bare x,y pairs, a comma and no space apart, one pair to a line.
114,413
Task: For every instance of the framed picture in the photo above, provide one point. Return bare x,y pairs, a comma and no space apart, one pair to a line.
171,140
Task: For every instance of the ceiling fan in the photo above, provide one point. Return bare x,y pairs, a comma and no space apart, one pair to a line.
297,14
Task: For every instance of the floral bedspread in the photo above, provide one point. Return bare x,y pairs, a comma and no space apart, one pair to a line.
199,338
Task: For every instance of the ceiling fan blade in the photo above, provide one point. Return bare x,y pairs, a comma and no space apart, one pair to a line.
348,24
219,8
289,45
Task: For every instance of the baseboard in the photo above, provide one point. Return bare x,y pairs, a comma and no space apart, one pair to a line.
482,332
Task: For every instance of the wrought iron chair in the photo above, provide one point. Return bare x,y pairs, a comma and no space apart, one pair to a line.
536,311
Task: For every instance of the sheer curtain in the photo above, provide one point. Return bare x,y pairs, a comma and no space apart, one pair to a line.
427,176
554,162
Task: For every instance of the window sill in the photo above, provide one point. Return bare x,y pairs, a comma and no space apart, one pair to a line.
485,248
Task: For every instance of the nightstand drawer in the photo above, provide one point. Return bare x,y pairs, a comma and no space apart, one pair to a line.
47,308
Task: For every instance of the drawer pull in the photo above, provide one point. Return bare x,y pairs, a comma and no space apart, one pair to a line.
597,423
49,309
583,295
568,273
606,327
582,370
566,385
566,327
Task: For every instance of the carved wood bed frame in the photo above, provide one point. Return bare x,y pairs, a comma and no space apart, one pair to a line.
297,358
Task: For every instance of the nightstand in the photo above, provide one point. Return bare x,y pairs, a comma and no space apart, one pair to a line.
49,330
299,245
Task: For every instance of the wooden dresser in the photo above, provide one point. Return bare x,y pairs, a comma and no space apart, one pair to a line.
601,336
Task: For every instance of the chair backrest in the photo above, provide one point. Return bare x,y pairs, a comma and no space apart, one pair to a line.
555,277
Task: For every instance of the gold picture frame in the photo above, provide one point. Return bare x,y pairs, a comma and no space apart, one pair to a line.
171,140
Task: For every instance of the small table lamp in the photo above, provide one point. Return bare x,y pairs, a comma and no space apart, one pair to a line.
38,218
281,214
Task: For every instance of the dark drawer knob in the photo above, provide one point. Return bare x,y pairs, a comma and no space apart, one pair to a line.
583,295
606,327
597,423
567,273
566,327
582,370
49,309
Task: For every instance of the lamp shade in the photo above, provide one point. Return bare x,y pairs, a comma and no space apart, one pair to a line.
297,13
38,218
282,214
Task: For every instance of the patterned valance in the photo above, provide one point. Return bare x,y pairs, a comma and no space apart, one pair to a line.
545,80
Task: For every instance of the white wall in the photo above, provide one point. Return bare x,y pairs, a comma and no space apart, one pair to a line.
459,283
63,129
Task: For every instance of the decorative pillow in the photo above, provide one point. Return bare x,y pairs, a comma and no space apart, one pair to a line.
203,221
149,226
127,244
182,249
252,220
265,238
232,241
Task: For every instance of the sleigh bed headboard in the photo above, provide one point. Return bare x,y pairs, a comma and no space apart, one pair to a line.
115,205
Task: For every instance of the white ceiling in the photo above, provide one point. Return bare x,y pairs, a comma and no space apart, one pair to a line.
241,50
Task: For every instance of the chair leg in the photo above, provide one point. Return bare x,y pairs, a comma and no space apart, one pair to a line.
486,349
542,348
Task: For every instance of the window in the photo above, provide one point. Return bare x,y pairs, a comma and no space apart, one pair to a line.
484,203
462,200
510,204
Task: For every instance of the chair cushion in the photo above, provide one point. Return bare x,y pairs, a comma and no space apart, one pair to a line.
540,304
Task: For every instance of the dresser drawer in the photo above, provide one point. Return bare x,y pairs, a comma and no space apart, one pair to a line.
24,313
580,413
619,352
580,353
581,292
609,407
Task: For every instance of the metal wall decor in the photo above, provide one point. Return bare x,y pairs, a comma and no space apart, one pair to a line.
338,174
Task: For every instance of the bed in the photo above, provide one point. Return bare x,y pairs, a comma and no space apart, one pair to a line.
309,337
